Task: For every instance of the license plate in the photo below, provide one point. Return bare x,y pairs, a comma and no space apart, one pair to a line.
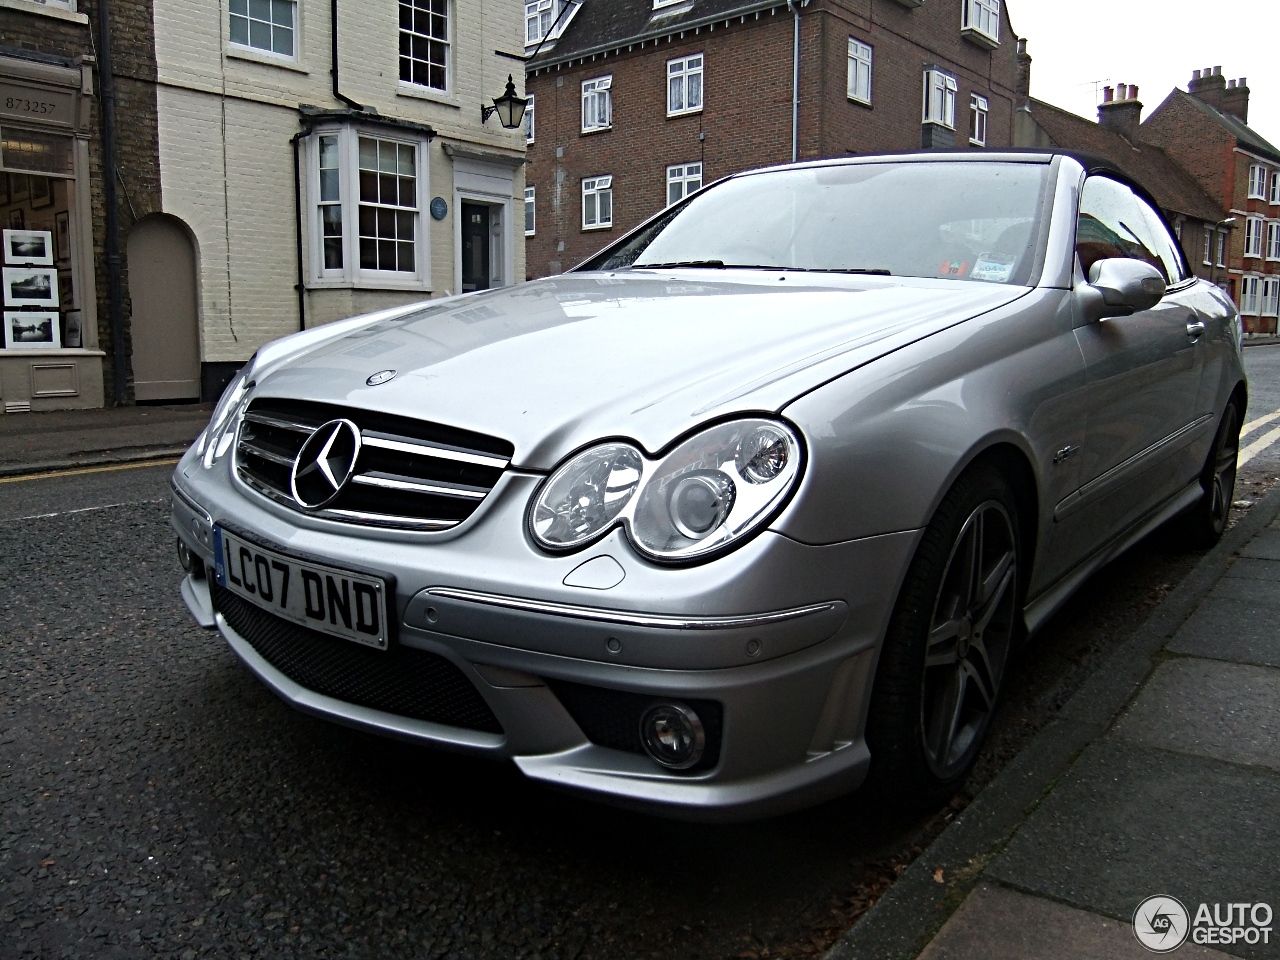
337,602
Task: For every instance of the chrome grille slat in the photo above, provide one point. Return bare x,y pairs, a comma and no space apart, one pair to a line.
390,482
410,474
371,439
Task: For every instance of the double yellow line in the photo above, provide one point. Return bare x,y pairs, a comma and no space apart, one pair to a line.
82,471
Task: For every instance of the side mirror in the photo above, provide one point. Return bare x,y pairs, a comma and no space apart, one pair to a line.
1119,287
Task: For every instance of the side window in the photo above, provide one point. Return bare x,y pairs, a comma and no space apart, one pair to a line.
1116,222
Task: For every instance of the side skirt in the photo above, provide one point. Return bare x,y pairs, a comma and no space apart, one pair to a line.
1044,606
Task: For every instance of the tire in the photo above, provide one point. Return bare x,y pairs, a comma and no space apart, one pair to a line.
949,640
1203,525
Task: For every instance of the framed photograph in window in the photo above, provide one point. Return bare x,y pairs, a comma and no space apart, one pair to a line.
41,192
31,247
72,333
62,237
29,330
18,191
66,289
30,287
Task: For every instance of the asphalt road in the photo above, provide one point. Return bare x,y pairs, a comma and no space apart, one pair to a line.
157,801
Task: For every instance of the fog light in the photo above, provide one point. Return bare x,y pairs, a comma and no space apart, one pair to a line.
184,556
672,734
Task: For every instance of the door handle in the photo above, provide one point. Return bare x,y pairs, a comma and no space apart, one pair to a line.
1195,329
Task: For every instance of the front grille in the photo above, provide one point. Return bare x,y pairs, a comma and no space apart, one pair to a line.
410,473
403,681
611,718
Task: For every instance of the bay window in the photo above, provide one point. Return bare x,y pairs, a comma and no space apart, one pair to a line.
939,98
980,21
859,71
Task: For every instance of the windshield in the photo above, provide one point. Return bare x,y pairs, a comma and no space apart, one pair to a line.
960,220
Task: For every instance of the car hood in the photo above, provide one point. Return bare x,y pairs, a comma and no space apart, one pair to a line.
553,364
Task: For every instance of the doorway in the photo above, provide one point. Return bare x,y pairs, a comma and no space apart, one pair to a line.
165,324
475,247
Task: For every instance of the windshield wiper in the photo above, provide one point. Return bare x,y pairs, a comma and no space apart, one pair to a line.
710,264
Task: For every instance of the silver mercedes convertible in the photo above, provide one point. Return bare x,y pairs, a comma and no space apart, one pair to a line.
749,509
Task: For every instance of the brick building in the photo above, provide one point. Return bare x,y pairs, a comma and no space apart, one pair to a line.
639,102
271,176
1192,212
1206,129
58,354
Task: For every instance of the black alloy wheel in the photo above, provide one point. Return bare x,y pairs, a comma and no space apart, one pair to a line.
1205,523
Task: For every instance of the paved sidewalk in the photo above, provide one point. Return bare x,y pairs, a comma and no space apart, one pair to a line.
1160,777
34,442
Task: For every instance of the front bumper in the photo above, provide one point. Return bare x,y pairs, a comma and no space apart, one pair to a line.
793,690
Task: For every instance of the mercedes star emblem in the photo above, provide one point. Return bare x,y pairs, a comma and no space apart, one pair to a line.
382,376
325,463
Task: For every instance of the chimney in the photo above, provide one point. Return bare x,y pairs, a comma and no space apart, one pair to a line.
1235,100
1023,88
1121,110
1209,86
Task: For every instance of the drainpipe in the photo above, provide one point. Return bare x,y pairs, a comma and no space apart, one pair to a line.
297,207
115,293
795,84
337,94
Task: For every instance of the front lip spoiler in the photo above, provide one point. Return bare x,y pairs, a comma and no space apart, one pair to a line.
627,617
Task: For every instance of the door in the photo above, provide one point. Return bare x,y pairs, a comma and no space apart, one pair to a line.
165,324
475,247
1143,438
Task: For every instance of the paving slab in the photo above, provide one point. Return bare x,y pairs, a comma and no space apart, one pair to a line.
1225,711
1258,591
1032,928
68,437
1130,821
1265,546
1242,631
1253,569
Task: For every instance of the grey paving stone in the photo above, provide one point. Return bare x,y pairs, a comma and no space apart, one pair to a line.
1265,546
1244,632
1130,821
1253,569
1227,711
995,923
1251,591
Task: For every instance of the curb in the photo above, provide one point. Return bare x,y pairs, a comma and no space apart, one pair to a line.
104,458
907,917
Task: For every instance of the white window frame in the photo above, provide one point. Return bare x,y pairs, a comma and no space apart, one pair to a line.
659,4
530,129
244,49
1177,228
1250,288
69,5
530,211
983,17
535,12
1208,246
1258,180
682,175
600,89
351,274
940,90
979,108
684,69
1275,188
1253,236
594,187
450,29
1222,248
1269,297
861,59
1272,243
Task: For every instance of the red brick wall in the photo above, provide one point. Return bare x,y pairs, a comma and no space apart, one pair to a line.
746,118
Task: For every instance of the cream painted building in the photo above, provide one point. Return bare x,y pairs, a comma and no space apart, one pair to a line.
305,179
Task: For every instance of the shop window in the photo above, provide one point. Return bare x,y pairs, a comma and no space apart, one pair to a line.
40,307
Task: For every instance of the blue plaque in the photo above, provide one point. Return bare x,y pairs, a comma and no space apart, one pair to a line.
439,209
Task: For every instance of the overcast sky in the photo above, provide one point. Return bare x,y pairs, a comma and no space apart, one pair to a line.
1080,46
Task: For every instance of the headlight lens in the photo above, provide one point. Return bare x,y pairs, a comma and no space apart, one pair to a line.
217,437
585,495
711,490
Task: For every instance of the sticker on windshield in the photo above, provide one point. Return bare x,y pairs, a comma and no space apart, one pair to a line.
952,268
993,269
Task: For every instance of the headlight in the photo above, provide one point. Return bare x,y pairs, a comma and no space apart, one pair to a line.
710,491
217,437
